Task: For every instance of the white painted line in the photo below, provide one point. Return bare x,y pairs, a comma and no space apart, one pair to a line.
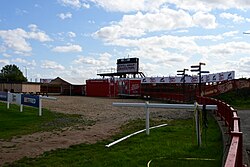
140,131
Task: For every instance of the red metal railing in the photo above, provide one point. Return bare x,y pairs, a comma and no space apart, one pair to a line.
232,121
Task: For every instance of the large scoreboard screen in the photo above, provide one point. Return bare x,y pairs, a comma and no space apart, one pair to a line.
128,65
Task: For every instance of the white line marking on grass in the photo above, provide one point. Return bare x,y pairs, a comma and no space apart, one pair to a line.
140,131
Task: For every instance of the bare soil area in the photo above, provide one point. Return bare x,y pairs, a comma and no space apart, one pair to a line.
108,120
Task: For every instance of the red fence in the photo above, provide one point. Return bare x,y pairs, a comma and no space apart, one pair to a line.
232,121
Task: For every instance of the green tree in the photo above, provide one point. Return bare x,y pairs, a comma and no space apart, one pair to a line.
11,73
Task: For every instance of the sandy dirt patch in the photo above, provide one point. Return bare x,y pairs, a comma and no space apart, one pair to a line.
108,120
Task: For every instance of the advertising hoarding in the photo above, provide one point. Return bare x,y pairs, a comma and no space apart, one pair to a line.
135,87
217,77
14,98
30,100
3,96
127,65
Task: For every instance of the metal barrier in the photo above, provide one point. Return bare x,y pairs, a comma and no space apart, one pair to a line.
232,121
148,105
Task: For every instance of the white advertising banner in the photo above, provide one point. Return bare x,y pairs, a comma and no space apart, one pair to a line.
14,98
218,77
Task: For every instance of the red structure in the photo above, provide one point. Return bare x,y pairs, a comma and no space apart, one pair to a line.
100,88
113,87
123,82
129,87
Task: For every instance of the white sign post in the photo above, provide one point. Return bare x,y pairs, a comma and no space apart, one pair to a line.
8,103
197,123
40,102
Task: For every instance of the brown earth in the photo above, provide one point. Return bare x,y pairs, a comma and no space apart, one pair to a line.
108,120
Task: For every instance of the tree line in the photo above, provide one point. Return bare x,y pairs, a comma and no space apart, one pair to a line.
11,73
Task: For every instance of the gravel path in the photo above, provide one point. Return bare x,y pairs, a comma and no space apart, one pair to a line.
108,122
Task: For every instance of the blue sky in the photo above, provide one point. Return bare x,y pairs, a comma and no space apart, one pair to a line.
75,38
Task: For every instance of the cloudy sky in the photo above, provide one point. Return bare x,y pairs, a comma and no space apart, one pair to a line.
75,38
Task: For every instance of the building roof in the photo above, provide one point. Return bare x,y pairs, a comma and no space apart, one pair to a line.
68,80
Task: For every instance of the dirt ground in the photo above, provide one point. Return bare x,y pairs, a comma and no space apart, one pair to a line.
108,120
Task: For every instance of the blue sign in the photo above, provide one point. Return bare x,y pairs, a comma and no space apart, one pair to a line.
30,100
3,96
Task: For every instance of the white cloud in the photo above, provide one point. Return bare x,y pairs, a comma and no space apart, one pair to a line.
247,19
165,19
241,66
91,22
236,18
85,5
4,62
63,16
68,48
230,33
220,54
159,56
40,36
19,60
139,24
177,52
102,60
21,12
165,41
33,27
71,34
120,5
47,64
6,55
205,20
16,39
150,5
244,64
229,49
24,61
209,5
37,34
74,3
